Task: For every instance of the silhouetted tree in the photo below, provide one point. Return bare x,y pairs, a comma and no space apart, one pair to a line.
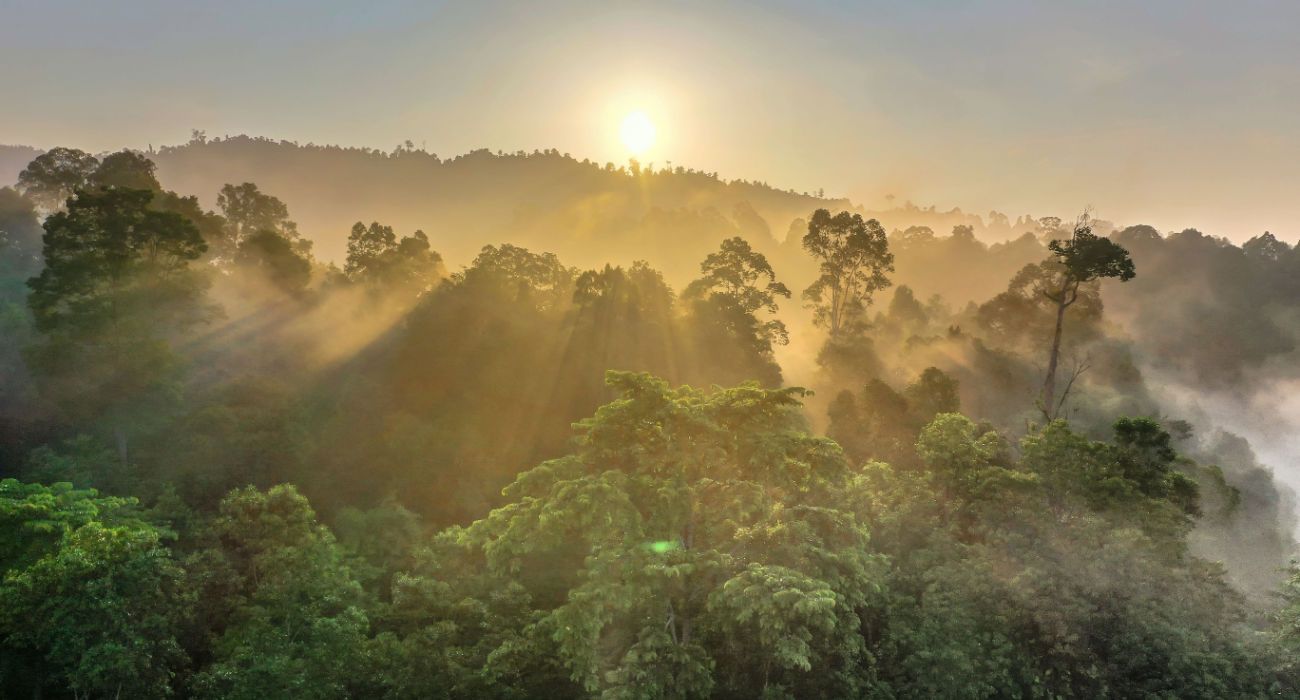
854,256
275,257
932,393
125,170
376,256
55,175
739,279
248,210
1083,258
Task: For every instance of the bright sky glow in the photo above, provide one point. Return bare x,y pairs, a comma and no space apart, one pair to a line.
637,133
1174,113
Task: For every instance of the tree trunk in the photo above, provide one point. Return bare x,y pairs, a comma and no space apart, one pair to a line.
1049,382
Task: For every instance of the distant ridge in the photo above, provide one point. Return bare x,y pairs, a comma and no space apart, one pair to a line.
587,212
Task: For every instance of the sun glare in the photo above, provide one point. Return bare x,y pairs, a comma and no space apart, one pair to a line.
637,132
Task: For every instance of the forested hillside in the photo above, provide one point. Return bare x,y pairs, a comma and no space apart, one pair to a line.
298,421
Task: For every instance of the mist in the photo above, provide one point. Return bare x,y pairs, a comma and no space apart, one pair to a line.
461,393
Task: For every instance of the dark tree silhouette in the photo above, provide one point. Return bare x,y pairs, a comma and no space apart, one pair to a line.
53,176
1083,258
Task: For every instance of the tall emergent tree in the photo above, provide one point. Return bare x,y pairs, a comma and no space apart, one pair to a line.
116,282
1083,258
854,257
53,176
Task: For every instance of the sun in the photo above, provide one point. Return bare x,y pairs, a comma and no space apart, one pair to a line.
637,133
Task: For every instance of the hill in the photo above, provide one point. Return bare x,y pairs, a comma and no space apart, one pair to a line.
585,211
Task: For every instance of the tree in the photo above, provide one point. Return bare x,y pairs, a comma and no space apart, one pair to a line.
295,627
20,258
128,170
116,284
368,246
538,280
739,279
915,236
932,393
34,518
211,226
90,600
248,210
20,244
20,229
104,610
379,542
1286,626
377,257
1083,258
1024,314
621,317
55,175
907,310
853,256
83,461
274,257
714,548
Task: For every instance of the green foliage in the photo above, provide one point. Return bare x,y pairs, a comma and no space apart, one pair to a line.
881,423
932,393
90,599
379,543
211,226
34,517
667,541
728,477
115,288
102,611
296,628
109,251
82,461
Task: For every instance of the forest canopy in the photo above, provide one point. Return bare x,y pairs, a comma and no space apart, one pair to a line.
719,440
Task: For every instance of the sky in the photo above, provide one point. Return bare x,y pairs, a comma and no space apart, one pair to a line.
1177,113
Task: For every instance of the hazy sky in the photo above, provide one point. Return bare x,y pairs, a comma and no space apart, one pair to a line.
1174,112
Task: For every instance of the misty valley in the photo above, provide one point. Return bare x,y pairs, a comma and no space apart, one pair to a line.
283,420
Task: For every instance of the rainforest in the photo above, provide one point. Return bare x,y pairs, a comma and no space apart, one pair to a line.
288,419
